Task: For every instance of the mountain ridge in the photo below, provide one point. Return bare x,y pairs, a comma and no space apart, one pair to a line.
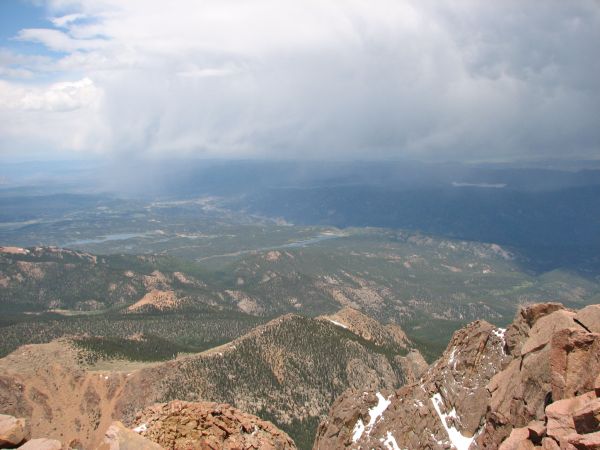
287,371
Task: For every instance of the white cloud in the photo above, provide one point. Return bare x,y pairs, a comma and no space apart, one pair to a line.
57,97
342,78
58,41
49,119
63,21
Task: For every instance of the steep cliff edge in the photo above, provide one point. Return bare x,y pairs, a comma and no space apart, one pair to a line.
534,384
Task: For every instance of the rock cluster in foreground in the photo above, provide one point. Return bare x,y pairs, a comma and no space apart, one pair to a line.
184,425
14,433
176,425
533,385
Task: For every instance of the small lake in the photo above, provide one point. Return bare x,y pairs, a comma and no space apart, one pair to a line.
108,238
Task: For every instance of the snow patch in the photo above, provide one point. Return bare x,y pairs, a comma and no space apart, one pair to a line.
451,358
141,428
337,323
374,414
500,332
359,428
456,438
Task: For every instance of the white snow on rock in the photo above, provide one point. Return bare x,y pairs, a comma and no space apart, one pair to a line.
456,438
141,428
451,358
374,414
359,428
376,411
500,333
337,323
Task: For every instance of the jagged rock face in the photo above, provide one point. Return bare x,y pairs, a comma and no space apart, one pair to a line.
557,358
490,388
413,365
451,394
569,424
182,425
368,328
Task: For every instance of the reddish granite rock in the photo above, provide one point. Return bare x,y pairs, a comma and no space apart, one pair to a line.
12,431
517,440
590,441
575,362
545,327
587,418
549,444
542,392
560,415
42,444
118,437
180,425
589,317
537,430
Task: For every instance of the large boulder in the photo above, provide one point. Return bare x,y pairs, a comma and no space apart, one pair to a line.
42,444
560,415
589,317
119,437
517,440
575,362
518,331
13,431
589,441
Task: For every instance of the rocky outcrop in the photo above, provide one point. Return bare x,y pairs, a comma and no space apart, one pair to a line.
13,431
183,425
42,444
413,365
444,407
176,425
535,385
119,437
369,328
386,336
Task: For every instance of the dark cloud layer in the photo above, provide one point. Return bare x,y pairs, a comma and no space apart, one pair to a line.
470,80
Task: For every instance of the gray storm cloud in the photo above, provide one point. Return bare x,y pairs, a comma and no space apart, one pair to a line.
341,79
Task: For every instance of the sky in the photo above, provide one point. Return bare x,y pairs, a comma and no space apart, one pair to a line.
431,80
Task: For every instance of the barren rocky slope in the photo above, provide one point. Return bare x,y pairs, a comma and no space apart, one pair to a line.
176,425
532,383
288,371
184,425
